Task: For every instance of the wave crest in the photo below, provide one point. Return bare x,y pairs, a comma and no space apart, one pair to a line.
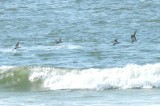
129,77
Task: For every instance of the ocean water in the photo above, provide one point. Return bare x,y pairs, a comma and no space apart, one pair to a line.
86,69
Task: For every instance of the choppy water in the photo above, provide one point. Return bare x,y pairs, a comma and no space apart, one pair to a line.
86,69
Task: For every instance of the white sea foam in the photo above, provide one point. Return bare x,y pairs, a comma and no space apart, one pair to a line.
6,50
67,46
40,47
5,68
128,77
54,47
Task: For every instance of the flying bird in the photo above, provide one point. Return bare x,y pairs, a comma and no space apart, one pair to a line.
133,37
58,41
115,42
17,46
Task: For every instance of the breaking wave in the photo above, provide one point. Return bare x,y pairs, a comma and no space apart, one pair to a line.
131,76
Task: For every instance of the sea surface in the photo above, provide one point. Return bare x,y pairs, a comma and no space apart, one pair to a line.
86,69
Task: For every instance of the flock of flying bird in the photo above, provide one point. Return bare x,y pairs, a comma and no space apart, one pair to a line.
133,38
18,43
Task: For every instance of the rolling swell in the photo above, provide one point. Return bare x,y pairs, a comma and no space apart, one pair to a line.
14,77
131,76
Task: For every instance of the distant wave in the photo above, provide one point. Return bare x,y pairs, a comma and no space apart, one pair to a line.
67,46
131,76
44,48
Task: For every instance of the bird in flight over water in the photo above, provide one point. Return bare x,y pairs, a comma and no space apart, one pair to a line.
133,37
58,41
17,46
115,42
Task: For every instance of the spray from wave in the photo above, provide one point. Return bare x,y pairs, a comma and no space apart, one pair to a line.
129,77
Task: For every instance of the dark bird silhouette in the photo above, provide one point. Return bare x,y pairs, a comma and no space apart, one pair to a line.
115,42
133,37
17,46
58,41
